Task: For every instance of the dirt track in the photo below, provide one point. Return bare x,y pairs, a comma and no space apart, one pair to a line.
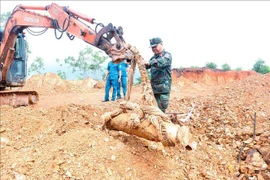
61,136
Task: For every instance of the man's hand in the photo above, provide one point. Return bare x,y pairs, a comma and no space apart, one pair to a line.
146,62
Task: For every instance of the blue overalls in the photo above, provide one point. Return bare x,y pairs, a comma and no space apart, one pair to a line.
112,80
123,82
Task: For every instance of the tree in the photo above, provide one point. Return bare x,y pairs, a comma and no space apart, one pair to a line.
138,80
3,19
226,67
88,61
211,65
267,69
37,66
238,69
261,67
60,72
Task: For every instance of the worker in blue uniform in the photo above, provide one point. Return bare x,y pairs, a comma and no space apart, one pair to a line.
112,77
124,79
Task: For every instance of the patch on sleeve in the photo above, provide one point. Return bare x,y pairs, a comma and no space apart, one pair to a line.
167,55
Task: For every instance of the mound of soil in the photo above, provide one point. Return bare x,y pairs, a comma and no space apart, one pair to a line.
50,83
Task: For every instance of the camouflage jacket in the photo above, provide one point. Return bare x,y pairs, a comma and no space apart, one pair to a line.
160,66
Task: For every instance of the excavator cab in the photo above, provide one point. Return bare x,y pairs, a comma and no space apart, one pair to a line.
16,75
18,70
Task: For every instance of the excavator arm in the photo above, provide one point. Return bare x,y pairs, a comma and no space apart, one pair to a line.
64,20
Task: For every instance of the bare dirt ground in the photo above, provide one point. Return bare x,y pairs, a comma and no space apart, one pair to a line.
61,136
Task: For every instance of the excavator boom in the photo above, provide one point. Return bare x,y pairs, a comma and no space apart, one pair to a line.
13,59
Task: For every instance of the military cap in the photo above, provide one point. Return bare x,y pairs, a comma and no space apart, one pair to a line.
155,41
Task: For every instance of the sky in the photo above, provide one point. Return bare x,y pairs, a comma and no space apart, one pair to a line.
194,32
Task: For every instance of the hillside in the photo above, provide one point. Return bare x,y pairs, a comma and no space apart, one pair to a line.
61,136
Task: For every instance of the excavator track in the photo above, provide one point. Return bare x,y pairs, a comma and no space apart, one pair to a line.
18,98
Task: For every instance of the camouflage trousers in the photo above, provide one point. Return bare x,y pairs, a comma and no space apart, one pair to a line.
162,101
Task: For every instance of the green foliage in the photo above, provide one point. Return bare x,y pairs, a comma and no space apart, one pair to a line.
59,61
88,61
194,67
261,67
138,80
37,66
226,67
211,65
267,69
3,19
238,69
62,74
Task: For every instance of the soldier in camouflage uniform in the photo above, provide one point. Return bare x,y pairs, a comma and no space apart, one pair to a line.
160,69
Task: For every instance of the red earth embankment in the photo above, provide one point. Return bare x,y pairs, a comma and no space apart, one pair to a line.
203,79
208,76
